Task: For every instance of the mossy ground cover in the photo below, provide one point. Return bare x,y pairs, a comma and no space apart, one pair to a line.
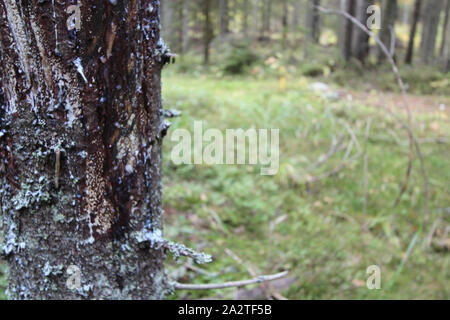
315,230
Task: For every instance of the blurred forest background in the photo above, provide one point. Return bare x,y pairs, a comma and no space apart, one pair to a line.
351,190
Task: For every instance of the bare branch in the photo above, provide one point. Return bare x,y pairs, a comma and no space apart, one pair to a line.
324,158
413,142
250,269
335,171
231,284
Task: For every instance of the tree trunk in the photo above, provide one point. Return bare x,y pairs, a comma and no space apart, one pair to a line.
346,33
389,15
245,12
360,42
185,29
444,28
431,15
169,22
224,27
255,15
284,23
412,34
207,30
266,17
446,53
295,15
81,132
313,20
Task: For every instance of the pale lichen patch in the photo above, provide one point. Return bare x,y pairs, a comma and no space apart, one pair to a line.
97,205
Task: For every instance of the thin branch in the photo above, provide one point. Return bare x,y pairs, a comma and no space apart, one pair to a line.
419,154
432,231
413,142
249,268
231,284
393,40
333,149
333,172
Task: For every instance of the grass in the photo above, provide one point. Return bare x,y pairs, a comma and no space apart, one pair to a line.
321,240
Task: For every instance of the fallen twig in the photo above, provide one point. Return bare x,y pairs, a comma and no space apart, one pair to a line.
419,154
249,268
324,158
231,284
335,171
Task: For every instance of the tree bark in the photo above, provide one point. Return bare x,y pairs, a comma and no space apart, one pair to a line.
255,16
413,31
81,132
245,12
207,30
284,23
295,15
431,15
446,53
444,28
346,33
360,42
224,27
266,15
389,15
313,20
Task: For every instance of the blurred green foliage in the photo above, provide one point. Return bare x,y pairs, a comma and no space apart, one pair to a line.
321,238
239,59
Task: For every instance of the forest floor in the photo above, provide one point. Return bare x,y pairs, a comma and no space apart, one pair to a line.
318,231
255,224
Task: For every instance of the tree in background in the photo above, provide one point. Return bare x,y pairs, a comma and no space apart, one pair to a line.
295,15
446,51
266,18
431,15
387,32
413,31
224,19
313,20
245,18
284,23
185,18
346,33
444,28
360,41
207,30
82,127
